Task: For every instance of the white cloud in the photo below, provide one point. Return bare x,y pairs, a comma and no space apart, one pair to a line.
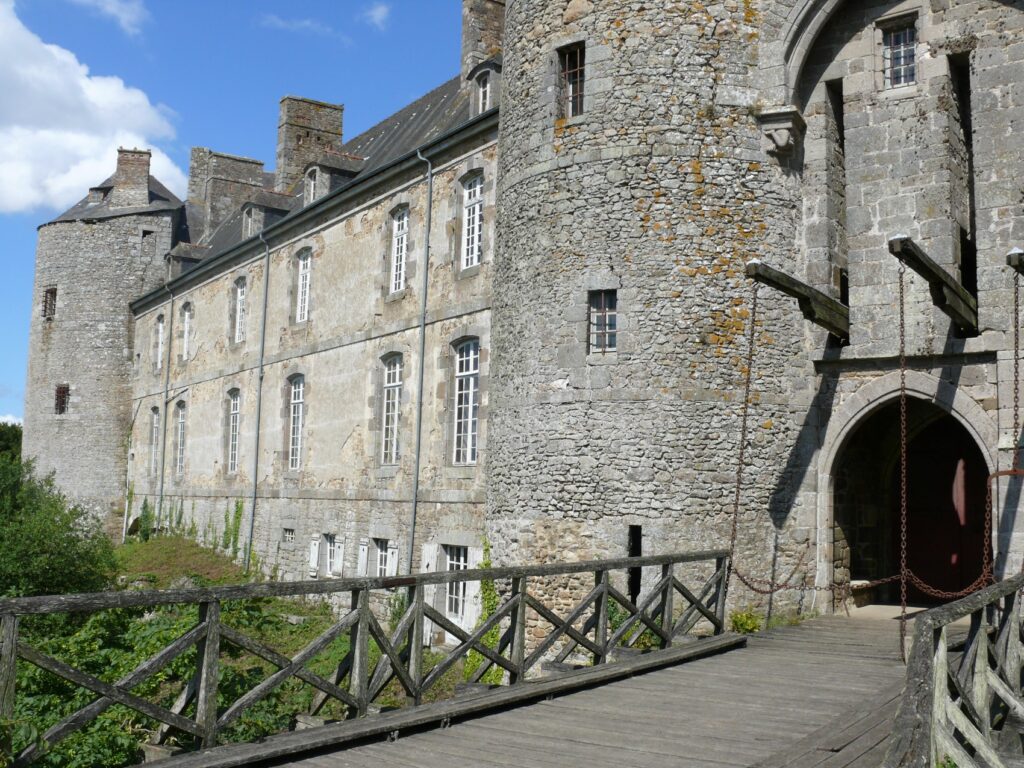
377,15
9,419
302,26
60,127
129,14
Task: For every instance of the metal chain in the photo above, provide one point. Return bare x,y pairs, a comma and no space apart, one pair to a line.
903,463
741,459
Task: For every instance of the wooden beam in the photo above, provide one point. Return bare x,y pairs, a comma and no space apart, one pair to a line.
1015,259
820,308
947,292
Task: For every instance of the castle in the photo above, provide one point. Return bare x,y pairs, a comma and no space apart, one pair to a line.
516,311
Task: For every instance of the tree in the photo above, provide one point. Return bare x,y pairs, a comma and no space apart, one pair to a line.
10,439
47,545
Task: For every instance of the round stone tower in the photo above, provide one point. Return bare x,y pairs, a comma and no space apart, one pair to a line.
90,262
633,188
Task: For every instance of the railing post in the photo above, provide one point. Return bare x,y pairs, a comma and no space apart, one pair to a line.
940,690
8,673
208,673
360,643
722,568
518,655
979,683
601,608
416,641
667,604
1012,656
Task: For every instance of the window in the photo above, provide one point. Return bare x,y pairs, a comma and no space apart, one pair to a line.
483,90
61,399
234,409
160,342
457,560
399,248
467,400
249,222
391,405
382,556
179,439
572,61
50,303
333,554
298,390
603,321
304,263
154,441
186,330
472,221
900,55
288,535
238,318
309,188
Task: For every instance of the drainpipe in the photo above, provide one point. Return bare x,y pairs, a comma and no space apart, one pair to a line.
167,388
422,361
127,475
259,399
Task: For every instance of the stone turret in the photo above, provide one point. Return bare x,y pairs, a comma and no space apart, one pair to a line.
306,129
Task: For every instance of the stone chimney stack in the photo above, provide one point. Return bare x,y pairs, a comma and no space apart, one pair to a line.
483,28
131,180
306,130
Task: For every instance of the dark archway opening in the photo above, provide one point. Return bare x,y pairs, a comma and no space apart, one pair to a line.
946,476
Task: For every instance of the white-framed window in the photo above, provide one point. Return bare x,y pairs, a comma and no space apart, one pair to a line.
238,319
899,54
296,416
288,535
249,222
314,556
392,403
179,439
154,441
381,545
234,415
159,342
309,188
304,263
472,221
456,559
467,401
334,550
399,249
572,63
483,92
186,329
603,321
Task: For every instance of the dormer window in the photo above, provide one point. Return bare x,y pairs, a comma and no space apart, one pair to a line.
249,222
483,90
309,190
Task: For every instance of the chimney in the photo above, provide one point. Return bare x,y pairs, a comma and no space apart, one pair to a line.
483,27
305,131
131,180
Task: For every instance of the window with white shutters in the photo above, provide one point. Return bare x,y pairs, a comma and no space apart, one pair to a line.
381,546
456,559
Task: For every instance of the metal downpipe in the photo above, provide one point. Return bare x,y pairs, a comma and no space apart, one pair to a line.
259,401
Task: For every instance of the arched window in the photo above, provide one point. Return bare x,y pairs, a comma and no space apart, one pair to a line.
249,221
467,401
297,405
159,342
186,330
483,92
399,248
303,264
472,220
309,188
179,438
154,441
234,415
238,315
391,404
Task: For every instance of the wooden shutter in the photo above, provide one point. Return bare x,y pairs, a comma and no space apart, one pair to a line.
472,613
392,559
314,557
364,549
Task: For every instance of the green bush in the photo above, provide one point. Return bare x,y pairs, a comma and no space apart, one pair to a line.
489,602
746,622
47,545
10,440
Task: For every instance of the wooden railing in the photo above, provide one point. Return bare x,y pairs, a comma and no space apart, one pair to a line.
962,705
354,685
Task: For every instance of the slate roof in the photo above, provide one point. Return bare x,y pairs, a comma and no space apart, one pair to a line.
160,199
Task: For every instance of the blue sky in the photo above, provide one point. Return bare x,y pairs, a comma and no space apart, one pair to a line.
80,77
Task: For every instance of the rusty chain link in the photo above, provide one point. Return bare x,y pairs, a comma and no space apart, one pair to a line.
903,462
